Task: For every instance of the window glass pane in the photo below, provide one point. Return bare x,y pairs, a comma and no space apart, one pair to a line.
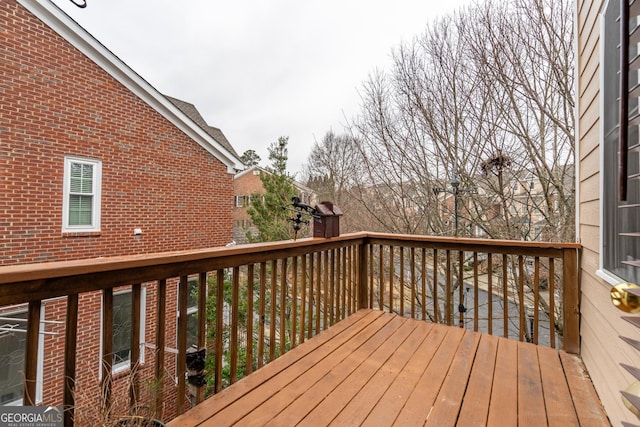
12,351
121,327
80,210
81,178
192,329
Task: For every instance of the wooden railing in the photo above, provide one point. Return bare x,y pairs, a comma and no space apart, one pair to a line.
255,302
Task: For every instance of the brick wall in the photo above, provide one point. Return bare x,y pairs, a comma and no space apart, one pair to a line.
56,102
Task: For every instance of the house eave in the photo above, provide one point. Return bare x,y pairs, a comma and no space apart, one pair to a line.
77,36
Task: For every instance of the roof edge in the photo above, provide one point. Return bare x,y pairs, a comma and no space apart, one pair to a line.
81,39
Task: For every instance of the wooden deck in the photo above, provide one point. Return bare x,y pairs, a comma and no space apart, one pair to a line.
379,369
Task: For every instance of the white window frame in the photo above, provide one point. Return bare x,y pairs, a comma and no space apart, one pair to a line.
40,363
96,193
125,365
608,270
240,201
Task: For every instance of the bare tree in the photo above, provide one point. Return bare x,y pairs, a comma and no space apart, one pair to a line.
485,93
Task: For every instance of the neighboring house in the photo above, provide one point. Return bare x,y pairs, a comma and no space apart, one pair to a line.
608,229
96,163
246,184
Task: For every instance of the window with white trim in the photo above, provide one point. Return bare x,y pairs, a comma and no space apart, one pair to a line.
620,219
82,194
240,201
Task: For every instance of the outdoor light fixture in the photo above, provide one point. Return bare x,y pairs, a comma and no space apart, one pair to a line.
78,3
455,190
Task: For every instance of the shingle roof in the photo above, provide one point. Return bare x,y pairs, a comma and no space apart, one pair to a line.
192,112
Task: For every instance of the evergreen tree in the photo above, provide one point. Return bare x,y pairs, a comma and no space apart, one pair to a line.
266,211
250,158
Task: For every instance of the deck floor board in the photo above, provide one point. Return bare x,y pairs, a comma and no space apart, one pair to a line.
380,369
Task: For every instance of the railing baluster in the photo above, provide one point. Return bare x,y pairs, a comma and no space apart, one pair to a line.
181,364
505,296
351,283
552,306
318,291
219,328
273,296
521,307
475,291
371,279
325,290
202,324
412,267
435,286
345,281
31,356
401,281
303,290
107,349
571,302
381,276
448,299
536,299
235,305
250,286
70,348
283,307
294,301
490,293
423,263
263,291
333,298
311,296
391,274
134,383
461,307
161,303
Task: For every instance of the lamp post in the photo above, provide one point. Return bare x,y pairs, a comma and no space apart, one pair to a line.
456,191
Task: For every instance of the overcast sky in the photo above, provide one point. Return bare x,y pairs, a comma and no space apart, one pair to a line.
260,69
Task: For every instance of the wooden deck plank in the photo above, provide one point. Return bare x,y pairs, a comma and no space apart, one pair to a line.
376,368
390,405
315,361
475,406
531,409
395,331
585,400
503,408
447,406
420,402
557,397
325,341
367,397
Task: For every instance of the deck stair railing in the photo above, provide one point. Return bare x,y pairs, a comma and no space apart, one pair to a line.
256,302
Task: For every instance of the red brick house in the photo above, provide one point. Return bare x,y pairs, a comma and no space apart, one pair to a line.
96,163
248,183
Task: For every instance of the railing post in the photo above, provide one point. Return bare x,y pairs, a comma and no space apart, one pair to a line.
571,302
362,276
31,359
